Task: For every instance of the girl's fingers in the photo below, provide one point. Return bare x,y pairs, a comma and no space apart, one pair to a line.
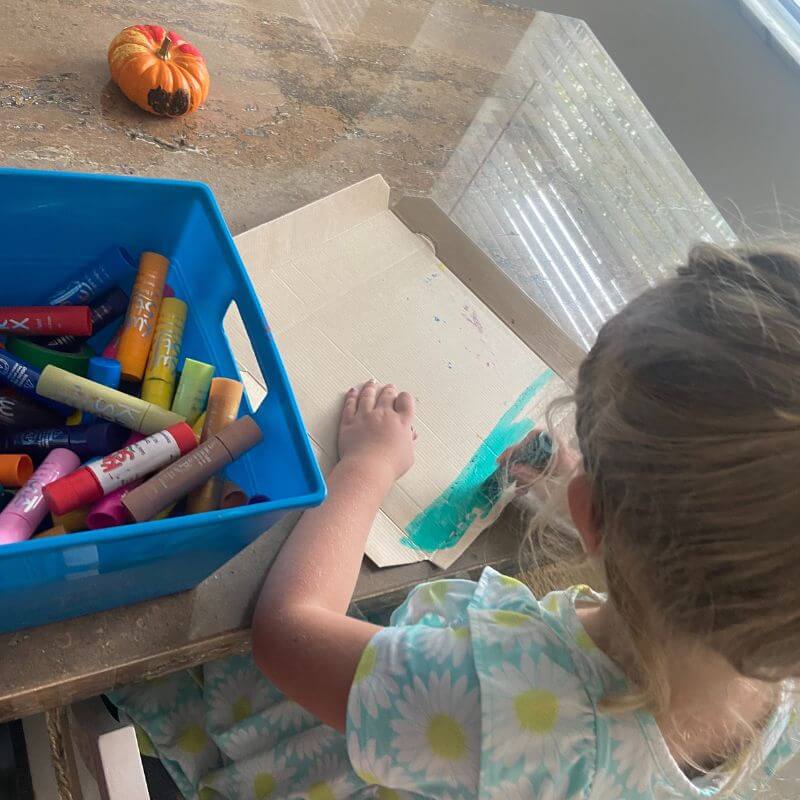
387,396
509,451
366,399
504,456
523,474
350,403
404,405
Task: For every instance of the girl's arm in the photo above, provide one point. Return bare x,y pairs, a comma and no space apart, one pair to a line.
302,640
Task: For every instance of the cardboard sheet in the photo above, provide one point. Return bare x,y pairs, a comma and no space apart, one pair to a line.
351,293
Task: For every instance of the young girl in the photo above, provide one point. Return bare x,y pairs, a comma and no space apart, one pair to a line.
677,684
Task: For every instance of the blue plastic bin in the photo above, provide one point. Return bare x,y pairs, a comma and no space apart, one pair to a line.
51,224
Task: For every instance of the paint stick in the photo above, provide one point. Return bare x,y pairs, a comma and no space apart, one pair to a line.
232,495
46,320
24,377
193,469
113,266
18,412
191,395
23,515
131,462
103,312
56,530
140,323
105,402
159,377
223,406
73,521
15,469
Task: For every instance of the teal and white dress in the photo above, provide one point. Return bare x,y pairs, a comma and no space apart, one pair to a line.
475,690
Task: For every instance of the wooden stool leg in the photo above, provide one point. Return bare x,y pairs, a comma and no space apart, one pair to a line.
63,755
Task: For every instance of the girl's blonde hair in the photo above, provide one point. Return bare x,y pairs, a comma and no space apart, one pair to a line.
687,413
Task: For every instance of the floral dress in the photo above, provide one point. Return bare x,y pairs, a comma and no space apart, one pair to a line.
475,690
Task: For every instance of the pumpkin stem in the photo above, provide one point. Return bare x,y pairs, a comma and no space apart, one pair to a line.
163,51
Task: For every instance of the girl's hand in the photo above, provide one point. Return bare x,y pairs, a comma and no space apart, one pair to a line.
566,462
375,430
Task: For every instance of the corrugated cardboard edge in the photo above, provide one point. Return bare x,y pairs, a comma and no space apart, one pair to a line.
288,236
488,282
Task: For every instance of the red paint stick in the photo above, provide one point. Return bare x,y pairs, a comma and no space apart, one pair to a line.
133,461
44,320
110,350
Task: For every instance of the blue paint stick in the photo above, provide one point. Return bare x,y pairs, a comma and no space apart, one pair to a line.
114,265
106,372
86,441
24,377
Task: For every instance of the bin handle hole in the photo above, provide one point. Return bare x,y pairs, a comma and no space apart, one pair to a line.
255,385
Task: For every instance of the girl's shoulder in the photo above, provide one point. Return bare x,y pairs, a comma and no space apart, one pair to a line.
502,611
505,618
497,674
481,690
448,601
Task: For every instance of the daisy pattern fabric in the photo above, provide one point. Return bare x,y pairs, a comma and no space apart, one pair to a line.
490,658
475,690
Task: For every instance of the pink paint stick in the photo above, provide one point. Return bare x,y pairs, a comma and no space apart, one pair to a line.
23,515
109,512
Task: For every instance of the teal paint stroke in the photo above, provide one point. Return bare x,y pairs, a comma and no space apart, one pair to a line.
442,524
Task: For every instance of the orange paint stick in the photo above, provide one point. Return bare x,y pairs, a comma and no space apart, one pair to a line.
140,323
15,469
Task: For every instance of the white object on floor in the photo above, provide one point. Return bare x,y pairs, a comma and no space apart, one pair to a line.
110,750
98,737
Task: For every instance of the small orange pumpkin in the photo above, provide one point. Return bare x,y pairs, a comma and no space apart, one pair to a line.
158,70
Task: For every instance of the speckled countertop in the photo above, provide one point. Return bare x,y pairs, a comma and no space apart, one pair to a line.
306,97
517,123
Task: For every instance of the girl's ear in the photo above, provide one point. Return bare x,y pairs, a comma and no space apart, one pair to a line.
579,498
